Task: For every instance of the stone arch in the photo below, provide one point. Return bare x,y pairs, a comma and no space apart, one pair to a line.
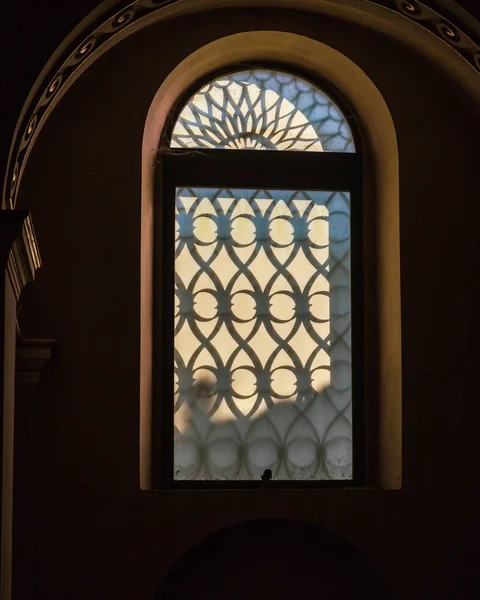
442,34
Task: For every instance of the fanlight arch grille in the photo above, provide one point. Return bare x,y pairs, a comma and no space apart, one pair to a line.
262,110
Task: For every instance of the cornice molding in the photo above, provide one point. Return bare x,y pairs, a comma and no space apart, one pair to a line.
99,33
31,357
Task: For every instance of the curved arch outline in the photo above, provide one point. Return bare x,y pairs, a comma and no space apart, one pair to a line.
278,527
99,32
204,91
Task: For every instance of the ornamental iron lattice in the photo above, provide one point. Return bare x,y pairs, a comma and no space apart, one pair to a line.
262,334
262,110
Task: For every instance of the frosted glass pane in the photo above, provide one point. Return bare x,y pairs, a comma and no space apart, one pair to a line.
262,110
262,335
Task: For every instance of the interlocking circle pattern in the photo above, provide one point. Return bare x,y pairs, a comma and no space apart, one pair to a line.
262,334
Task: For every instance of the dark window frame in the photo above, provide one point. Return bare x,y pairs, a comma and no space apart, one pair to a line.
248,169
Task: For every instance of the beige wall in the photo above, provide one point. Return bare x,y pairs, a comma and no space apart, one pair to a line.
97,534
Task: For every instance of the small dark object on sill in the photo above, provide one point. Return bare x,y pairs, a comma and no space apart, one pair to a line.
266,477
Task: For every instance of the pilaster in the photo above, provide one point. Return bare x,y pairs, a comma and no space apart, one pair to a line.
19,260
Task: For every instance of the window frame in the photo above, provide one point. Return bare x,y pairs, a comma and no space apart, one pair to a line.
248,169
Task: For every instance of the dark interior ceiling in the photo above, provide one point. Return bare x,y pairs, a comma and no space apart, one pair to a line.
473,7
32,32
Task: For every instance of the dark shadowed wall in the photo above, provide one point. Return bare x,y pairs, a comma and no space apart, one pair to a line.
96,534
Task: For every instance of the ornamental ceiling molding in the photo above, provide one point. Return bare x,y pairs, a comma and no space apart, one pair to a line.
102,36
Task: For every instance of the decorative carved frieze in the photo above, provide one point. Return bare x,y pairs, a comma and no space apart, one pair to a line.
102,32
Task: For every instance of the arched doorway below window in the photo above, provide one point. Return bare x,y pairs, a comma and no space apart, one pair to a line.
273,558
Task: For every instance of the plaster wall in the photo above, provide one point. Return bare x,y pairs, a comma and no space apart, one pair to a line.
97,535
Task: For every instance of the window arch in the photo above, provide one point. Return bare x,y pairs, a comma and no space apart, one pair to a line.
261,361
381,247
262,109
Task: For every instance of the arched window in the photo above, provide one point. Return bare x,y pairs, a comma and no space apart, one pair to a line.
258,335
